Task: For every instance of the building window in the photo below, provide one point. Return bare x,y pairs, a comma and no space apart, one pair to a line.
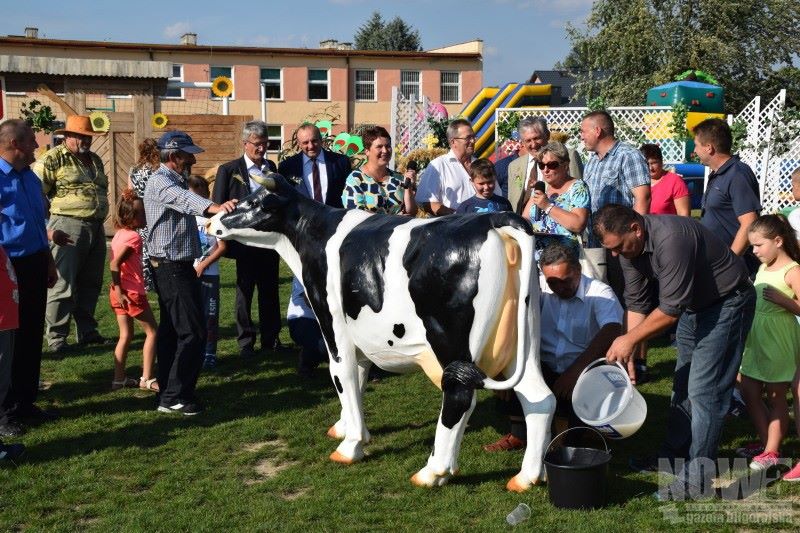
274,138
273,84
410,84
214,72
318,84
451,87
177,75
365,85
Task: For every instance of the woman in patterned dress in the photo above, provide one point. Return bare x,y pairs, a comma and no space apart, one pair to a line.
562,211
374,187
149,161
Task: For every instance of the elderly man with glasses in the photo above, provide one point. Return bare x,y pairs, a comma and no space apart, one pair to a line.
445,182
256,268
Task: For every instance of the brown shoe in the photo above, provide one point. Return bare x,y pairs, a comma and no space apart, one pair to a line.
507,443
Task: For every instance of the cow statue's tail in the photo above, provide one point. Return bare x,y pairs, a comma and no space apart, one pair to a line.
528,304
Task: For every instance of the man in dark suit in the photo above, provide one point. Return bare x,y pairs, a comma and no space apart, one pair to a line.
255,267
326,182
323,172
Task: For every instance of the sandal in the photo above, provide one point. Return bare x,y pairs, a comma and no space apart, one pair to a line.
124,382
148,384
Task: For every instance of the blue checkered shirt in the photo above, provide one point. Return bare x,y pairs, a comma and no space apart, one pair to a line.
170,208
612,179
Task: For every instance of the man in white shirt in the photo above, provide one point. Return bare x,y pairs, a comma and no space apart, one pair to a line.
580,318
445,182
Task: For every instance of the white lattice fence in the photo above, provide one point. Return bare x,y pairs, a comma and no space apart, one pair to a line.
635,125
409,124
776,187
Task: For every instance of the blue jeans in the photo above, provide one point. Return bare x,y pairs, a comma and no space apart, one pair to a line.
710,344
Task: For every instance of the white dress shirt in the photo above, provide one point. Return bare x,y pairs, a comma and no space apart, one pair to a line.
445,181
568,326
308,178
252,168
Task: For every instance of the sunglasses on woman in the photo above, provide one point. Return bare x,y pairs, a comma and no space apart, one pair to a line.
552,165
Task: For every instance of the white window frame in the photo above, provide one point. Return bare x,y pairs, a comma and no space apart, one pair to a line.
373,84
280,144
311,82
280,82
418,83
233,80
173,78
118,96
443,84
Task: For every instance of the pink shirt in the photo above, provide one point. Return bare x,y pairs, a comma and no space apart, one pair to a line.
663,194
131,278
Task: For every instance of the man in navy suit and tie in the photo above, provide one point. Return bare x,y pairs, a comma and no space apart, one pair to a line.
255,267
324,184
323,172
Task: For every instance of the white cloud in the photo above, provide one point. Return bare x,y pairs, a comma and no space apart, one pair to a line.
176,30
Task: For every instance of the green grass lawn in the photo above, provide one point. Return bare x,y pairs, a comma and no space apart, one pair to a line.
257,459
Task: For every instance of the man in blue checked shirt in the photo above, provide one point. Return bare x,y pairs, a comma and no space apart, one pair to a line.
173,245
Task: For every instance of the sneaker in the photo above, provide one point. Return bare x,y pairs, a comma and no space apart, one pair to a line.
94,338
185,409
58,347
750,450
738,409
11,452
508,443
650,463
793,474
764,460
209,362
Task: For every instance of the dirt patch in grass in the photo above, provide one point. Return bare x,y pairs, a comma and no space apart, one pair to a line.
277,444
293,495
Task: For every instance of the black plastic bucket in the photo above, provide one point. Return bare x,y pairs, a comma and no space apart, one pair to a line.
577,478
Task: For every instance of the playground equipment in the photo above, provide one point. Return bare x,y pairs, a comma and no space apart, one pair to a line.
480,110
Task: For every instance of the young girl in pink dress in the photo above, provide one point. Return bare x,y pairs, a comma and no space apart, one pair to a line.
128,295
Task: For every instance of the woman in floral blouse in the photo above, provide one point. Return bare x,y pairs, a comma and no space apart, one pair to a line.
562,211
374,187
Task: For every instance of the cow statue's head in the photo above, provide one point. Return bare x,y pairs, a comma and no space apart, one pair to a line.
260,218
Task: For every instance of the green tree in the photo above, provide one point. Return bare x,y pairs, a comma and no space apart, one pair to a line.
636,44
376,34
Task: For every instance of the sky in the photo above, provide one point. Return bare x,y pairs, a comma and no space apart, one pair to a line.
519,36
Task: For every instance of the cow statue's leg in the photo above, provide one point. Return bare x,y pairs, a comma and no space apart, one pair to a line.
344,372
538,405
459,381
338,430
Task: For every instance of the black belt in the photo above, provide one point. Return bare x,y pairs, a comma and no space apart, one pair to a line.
158,261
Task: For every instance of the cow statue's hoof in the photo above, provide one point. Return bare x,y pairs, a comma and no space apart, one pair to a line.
428,478
335,432
520,483
348,452
338,432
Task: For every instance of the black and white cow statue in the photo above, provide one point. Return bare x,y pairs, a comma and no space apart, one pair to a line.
455,296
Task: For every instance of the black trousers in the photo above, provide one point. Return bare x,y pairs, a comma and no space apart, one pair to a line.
181,332
257,269
32,280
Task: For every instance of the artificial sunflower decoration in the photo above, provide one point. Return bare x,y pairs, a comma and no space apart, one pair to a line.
159,120
100,122
222,86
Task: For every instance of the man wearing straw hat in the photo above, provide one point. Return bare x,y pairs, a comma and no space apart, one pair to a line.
75,182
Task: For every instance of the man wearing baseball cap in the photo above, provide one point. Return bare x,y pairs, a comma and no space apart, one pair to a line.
75,182
173,244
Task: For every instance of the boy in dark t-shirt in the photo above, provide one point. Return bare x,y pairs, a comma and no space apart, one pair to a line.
484,180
